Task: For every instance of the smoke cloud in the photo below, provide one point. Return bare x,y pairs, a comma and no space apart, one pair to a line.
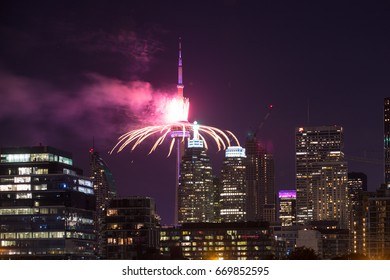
102,108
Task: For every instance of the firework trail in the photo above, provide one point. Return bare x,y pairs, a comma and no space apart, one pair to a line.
177,127
175,130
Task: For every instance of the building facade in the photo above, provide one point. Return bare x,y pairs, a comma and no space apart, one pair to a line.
213,241
321,175
196,188
105,189
132,228
260,180
357,190
233,194
310,239
376,224
386,130
46,206
287,207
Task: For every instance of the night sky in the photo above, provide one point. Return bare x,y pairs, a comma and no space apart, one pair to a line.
74,73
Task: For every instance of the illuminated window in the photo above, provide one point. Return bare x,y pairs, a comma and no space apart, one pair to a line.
112,212
41,187
24,170
5,243
22,179
23,195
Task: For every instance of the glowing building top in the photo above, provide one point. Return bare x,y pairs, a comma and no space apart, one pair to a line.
195,142
235,151
288,194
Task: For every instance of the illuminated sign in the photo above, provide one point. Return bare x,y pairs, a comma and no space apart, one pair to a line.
235,151
288,194
180,133
195,143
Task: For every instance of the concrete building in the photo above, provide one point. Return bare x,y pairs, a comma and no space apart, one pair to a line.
228,241
357,191
105,189
310,239
132,228
321,175
376,224
260,178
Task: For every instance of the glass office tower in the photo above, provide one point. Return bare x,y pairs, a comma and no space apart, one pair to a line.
46,206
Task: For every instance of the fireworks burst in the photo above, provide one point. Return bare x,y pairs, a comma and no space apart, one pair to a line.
178,131
174,118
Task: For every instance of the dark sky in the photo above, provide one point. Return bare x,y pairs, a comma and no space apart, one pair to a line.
74,71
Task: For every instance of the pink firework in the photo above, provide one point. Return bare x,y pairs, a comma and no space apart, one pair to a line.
177,131
174,124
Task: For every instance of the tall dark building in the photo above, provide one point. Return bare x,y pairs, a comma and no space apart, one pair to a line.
132,228
357,188
105,190
357,182
372,238
46,206
386,122
233,186
321,175
260,180
196,196
217,197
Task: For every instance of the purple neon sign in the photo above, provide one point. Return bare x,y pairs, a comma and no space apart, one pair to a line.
288,194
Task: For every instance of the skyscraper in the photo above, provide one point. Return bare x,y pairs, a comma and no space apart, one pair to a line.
233,186
260,180
386,121
195,196
46,206
357,188
321,175
287,207
105,190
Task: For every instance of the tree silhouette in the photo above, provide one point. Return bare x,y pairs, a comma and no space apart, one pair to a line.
303,253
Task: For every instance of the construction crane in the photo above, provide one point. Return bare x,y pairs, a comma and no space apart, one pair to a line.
270,107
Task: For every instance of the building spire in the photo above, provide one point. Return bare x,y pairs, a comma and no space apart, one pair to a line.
180,85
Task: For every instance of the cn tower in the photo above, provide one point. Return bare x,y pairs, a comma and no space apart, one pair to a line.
179,134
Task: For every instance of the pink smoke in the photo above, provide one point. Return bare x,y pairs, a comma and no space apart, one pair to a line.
102,108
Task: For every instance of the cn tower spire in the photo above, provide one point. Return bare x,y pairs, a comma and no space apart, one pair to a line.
180,85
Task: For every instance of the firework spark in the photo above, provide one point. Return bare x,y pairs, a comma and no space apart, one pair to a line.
221,138
174,118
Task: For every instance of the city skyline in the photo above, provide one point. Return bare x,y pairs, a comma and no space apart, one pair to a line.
71,73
